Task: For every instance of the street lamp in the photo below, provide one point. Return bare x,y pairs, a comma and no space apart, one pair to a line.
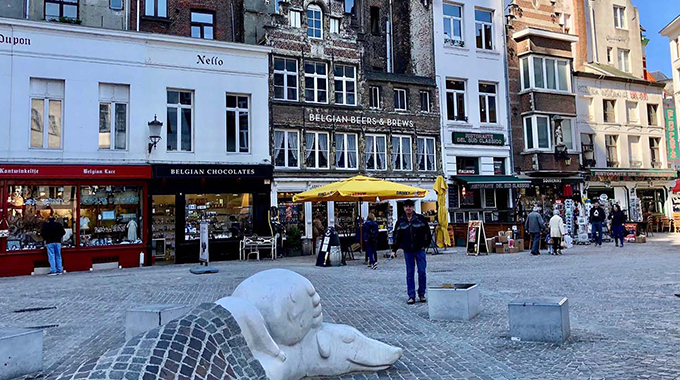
154,133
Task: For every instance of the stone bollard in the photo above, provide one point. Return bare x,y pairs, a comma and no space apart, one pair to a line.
450,302
144,318
21,352
540,319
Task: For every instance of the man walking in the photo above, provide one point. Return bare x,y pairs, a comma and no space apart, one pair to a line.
412,234
534,225
597,216
52,232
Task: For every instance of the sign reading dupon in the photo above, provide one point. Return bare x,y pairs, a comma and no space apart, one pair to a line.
672,135
13,40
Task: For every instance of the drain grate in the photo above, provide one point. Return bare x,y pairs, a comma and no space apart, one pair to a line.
42,327
35,309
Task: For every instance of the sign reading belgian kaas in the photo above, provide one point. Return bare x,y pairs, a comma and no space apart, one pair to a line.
478,138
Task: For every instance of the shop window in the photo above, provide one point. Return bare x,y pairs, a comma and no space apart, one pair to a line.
499,166
228,215
375,21
453,24
425,101
285,79
635,151
180,120
286,149
316,82
537,134
426,154
238,124
29,207
113,116
467,165
632,114
294,18
655,152
652,114
401,153
110,215
455,100
471,198
374,101
116,5
619,17
609,108
484,29
156,8
588,149
376,152
345,85
489,198
163,243
612,145
400,96
291,215
653,200
346,154
202,25
314,21
316,144
335,25
47,98
487,103
545,73
57,9
624,60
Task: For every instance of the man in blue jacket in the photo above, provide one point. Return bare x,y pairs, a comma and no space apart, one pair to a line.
412,234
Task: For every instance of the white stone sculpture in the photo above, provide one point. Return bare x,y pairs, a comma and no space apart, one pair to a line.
280,315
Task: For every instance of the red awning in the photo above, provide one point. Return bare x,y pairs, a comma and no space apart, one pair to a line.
12,171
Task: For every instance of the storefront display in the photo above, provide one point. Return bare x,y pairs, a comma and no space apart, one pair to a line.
110,215
346,214
228,215
163,226
291,215
652,200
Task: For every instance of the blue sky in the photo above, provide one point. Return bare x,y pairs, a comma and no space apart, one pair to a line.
654,15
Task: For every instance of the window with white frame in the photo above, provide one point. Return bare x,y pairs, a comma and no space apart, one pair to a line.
568,133
179,121
314,21
635,151
453,23
401,153
376,152
316,82
619,17
294,18
374,100
400,103
346,153
609,110
286,148
588,149
655,151
632,113
238,124
537,134
545,73
345,85
425,101
611,143
455,100
425,155
113,116
316,145
335,25
47,108
285,79
624,60
652,114
484,29
202,25
116,5
156,8
487,103
58,9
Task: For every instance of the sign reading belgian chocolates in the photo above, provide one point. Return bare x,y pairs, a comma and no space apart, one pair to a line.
212,171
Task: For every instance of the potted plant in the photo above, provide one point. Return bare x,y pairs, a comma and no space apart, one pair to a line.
293,244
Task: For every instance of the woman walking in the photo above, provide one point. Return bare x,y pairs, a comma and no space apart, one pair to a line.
618,219
557,230
370,232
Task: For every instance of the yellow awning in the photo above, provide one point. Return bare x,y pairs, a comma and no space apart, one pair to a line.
360,188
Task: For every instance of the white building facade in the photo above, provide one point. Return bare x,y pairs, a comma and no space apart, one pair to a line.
77,142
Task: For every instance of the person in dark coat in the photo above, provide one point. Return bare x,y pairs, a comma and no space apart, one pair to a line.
534,225
597,217
52,233
370,235
618,219
412,234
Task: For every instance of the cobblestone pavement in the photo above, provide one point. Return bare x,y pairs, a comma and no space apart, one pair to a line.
624,317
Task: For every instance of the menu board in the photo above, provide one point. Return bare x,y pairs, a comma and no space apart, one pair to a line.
453,197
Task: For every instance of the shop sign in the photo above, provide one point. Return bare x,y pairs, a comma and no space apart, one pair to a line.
203,59
552,180
213,171
358,120
467,171
672,135
74,172
479,138
631,175
494,185
14,40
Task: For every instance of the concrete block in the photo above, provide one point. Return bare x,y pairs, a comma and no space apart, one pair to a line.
21,352
40,270
449,302
540,319
144,318
105,266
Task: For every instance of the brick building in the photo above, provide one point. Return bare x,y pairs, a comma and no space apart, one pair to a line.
352,91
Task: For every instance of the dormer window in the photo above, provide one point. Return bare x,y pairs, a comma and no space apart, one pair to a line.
314,21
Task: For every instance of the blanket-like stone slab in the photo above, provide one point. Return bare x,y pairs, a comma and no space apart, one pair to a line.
206,344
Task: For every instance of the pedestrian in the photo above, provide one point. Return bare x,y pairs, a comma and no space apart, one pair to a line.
597,217
557,231
534,225
618,219
52,233
370,235
412,234
318,231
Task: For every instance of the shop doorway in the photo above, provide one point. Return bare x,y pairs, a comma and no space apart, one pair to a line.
653,200
163,227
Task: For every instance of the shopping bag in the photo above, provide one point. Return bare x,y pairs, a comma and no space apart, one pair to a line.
4,228
568,241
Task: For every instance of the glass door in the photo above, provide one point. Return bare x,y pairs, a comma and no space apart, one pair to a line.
163,227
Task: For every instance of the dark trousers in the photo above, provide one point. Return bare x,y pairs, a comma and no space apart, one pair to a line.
372,251
618,234
413,259
597,232
557,245
535,242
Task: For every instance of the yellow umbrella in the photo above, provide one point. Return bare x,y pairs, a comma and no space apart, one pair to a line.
442,231
360,188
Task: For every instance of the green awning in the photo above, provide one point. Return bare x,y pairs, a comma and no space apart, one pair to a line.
492,181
